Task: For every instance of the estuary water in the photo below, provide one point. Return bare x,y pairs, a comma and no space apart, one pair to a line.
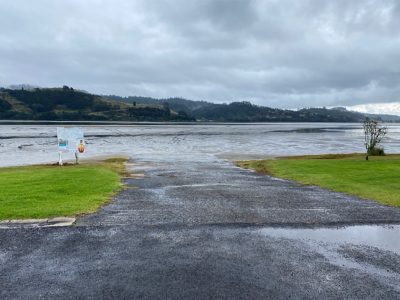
31,144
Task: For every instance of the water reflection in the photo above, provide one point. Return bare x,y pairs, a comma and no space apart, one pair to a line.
385,237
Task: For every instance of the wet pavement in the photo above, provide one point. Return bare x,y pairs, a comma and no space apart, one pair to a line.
201,228
212,191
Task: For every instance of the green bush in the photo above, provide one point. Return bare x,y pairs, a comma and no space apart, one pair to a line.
376,151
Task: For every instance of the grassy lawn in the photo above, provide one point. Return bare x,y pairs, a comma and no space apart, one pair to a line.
44,191
377,179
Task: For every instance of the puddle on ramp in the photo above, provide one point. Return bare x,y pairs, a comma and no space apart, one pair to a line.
385,237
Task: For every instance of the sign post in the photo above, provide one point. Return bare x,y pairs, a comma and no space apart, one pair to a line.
70,140
60,162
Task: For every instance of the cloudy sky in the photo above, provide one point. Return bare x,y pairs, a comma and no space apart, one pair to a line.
278,53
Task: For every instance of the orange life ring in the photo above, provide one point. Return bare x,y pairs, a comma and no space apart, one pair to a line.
81,148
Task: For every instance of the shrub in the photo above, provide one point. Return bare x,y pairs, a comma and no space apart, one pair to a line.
373,134
376,151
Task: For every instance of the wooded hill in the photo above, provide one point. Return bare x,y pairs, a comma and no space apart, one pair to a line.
246,112
68,104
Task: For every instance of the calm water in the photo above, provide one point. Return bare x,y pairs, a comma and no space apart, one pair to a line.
29,144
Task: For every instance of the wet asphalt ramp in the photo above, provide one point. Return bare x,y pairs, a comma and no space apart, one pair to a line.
128,262
193,230
214,192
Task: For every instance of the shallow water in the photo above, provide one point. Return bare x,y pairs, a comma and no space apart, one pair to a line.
30,144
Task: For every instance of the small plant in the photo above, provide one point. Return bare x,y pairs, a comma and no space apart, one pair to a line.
373,134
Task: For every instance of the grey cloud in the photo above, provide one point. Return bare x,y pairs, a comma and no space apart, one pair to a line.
276,53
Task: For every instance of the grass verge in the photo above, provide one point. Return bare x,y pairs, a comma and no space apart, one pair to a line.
45,191
377,179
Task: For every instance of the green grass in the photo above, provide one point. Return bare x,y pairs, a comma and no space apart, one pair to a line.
377,179
45,191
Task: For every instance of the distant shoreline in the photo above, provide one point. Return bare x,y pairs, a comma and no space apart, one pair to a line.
40,122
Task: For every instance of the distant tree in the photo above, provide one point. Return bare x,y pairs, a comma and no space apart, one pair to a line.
4,105
373,135
183,114
131,112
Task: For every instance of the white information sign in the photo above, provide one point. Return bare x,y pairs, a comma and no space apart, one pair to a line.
70,139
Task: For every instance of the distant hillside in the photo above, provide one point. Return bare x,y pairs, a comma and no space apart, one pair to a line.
247,112
177,104
67,104
385,118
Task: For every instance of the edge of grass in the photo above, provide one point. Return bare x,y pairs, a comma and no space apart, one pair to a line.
114,164
266,167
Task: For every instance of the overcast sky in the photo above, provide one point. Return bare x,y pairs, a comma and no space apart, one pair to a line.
277,53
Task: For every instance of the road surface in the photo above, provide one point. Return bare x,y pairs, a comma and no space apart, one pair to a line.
202,228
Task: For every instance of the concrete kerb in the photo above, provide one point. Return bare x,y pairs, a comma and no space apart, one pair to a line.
35,223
